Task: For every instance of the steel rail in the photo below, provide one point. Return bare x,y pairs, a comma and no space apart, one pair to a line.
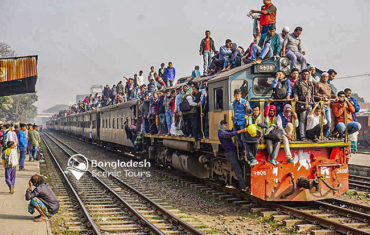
70,186
150,225
174,218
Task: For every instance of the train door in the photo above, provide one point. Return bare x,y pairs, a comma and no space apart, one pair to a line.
218,105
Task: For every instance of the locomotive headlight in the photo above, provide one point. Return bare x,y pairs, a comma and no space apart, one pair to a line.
284,62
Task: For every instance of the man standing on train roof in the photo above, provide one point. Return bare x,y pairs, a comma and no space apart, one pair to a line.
268,46
170,75
207,46
225,53
241,107
339,110
292,48
225,137
140,79
268,16
162,73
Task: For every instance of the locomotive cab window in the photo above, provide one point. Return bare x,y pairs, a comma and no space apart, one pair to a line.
262,86
219,98
241,84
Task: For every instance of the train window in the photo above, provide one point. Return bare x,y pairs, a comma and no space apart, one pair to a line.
262,86
219,98
241,84
122,126
117,124
113,123
109,123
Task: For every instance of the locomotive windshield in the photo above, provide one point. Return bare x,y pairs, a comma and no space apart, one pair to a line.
262,86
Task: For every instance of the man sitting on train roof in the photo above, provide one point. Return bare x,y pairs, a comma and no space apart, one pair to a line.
313,127
268,46
241,107
253,136
339,114
284,122
282,89
292,48
283,34
225,53
225,137
268,15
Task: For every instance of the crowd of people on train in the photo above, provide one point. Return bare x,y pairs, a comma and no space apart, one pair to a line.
16,141
183,110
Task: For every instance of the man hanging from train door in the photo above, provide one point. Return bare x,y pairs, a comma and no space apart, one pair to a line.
225,137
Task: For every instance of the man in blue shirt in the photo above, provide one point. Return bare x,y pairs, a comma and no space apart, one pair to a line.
268,46
170,75
241,107
225,137
355,104
225,53
23,143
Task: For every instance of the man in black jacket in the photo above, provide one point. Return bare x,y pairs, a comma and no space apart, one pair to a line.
206,47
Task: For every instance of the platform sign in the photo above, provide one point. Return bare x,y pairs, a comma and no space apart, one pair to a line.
2,74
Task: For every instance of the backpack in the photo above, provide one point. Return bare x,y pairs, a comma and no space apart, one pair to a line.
281,90
185,106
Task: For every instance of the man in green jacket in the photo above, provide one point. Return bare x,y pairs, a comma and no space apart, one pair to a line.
35,140
268,46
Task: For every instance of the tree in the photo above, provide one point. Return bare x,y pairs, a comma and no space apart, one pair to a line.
5,50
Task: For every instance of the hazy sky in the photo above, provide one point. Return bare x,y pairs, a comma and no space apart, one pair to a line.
81,43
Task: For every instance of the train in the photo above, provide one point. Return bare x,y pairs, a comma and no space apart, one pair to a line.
319,169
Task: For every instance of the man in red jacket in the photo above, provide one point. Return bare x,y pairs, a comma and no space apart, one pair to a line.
338,111
268,16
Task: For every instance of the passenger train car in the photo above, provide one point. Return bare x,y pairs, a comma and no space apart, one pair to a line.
319,171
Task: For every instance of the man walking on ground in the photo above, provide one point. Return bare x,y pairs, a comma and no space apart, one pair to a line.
34,138
207,46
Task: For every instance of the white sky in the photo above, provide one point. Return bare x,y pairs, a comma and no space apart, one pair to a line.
86,42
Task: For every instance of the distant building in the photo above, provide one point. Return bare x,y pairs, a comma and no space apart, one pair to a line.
96,89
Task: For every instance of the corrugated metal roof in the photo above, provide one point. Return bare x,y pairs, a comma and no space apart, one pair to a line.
15,68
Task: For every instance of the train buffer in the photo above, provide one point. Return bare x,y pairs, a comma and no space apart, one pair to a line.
14,216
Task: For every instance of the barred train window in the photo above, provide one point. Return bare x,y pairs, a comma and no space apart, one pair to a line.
122,126
113,123
219,98
117,124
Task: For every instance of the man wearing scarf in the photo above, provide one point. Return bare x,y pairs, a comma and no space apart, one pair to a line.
225,137
273,133
284,123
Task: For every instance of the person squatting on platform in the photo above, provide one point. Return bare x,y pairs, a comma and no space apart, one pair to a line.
42,198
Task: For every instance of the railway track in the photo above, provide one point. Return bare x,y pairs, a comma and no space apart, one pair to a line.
114,206
360,183
320,217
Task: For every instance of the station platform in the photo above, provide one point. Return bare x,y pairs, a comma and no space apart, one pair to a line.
360,159
14,217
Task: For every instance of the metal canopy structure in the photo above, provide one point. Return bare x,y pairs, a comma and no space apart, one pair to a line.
18,75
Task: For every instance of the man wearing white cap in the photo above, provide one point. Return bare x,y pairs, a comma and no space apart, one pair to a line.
283,33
